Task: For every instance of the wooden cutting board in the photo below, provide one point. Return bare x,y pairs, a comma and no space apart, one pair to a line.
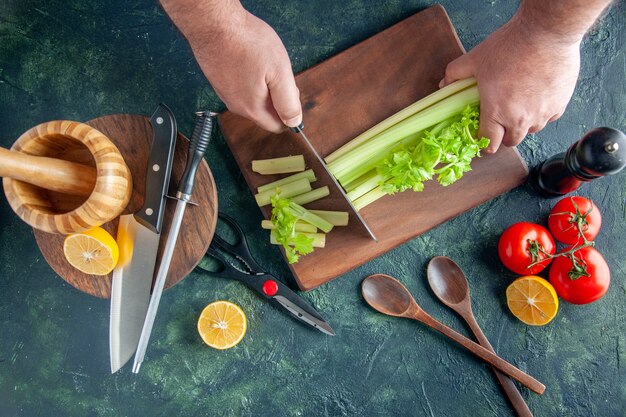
346,95
132,134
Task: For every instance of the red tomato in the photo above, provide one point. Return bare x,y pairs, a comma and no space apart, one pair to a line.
523,244
583,283
568,214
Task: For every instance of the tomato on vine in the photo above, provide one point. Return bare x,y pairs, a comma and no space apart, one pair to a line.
526,248
573,216
581,276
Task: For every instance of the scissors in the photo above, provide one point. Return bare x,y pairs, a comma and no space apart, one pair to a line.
251,274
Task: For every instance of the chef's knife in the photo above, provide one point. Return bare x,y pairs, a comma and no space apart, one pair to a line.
300,129
138,238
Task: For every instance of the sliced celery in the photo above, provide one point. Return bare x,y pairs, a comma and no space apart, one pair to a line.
311,196
308,174
300,227
319,239
282,165
304,214
288,190
336,218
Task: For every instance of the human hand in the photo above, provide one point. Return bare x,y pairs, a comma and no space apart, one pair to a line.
246,63
525,80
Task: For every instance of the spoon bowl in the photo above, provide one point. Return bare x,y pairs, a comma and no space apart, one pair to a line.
386,295
447,281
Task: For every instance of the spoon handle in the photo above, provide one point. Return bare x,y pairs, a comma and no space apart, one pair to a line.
486,355
515,397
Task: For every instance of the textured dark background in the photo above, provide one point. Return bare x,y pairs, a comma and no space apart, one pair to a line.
82,59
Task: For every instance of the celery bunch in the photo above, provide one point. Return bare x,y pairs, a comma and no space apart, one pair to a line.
434,137
446,153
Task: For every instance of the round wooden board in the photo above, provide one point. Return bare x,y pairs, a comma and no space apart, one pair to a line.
133,136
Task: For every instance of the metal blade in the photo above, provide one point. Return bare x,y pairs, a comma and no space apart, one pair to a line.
332,177
130,291
159,283
304,315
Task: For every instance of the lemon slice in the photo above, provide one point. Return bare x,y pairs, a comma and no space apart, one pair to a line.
533,300
93,252
222,325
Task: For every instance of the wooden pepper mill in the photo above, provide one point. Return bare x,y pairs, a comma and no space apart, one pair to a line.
601,152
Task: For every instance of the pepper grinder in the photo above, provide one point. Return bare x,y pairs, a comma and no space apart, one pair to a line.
601,152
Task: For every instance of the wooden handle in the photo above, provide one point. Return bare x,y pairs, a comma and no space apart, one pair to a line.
515,397
486,355
48,173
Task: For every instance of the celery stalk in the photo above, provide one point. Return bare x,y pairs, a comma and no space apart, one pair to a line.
288,190
300,227
389,138
282,165
319,239
336,218
308,174
368,198
305,215
367,186
311,196
416,107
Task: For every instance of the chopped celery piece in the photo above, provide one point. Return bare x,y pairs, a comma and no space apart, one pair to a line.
303,214
336,218
282,165
318,239
285,215
311,196
288,190
308,174
301,227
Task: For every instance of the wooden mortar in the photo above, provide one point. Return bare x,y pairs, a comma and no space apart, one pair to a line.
61,212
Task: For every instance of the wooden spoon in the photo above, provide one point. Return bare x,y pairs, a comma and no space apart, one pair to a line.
450,285
387,295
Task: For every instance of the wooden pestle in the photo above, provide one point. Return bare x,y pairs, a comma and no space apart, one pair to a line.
49,173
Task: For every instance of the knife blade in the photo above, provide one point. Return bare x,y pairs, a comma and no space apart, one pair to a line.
138,238
300,129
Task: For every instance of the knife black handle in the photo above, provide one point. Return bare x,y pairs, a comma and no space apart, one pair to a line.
298,128
159,168
200,139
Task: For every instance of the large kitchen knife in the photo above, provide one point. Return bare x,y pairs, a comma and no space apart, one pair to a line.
138,237
300,129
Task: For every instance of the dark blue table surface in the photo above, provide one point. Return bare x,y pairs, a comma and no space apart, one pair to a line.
81,59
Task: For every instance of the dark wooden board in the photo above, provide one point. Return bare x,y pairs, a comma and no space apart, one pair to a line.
343,97
133,136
